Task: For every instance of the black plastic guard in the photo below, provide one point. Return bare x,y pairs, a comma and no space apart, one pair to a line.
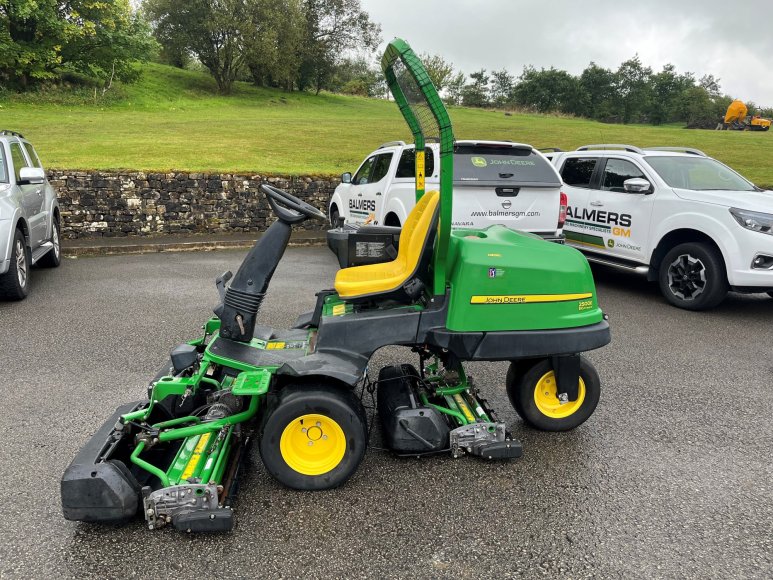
97,487
567,371
218,520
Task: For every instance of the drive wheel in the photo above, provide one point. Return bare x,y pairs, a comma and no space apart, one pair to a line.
692,276
14,283
535,398
314,437
769,294
54,256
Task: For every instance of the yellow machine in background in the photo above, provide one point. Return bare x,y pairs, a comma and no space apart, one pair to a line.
737,119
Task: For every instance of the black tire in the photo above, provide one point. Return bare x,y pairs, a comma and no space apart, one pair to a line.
769,294
392,220
523,396
15,282
515,371
54,256
337,419
692,276
334,215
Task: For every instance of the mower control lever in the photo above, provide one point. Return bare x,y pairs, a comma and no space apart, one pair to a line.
289,208
220,282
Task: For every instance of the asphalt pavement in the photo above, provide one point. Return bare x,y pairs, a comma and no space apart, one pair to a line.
670,478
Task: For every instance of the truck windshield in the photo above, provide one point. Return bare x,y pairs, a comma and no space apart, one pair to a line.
698,174
502,165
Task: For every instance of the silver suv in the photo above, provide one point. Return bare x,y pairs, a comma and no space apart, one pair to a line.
29,216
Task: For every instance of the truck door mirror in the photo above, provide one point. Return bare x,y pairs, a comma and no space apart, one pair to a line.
346,177
31,176
637,185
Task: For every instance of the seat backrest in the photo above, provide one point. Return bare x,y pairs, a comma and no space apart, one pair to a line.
417,230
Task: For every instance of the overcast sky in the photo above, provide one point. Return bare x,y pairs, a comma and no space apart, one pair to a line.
731,39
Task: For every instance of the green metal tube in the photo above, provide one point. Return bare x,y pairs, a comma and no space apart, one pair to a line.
206,473
442,391
178,421
211,425
456,414
135,458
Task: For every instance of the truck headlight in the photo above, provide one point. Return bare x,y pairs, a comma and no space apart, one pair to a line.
753,220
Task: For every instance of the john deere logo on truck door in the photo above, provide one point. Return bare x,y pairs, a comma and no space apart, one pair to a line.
366,205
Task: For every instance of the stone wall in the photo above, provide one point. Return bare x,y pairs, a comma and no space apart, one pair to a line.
125,203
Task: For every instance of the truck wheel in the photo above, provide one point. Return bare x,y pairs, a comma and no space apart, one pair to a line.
14,283
54,256
334,215
692,276
314,437
392,220
535,399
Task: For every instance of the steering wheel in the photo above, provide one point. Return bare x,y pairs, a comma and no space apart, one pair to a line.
289,208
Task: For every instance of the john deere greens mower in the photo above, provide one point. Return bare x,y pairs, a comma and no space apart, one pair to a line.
451,297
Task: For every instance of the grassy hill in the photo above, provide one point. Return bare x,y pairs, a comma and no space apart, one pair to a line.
171,119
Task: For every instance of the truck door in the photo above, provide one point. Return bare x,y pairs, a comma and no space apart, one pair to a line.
32,196
578,174
622,218
367,187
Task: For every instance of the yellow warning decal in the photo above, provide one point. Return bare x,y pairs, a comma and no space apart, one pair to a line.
420,170
339,309
528,298
465,409
194,460
275,345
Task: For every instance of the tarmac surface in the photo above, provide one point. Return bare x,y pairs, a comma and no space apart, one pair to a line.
670,478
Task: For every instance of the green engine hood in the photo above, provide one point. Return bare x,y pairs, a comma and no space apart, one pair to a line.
507,280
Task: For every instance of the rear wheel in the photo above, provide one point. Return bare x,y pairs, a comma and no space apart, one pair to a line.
314,437
692,276
14,283
534,396
54,256
334,215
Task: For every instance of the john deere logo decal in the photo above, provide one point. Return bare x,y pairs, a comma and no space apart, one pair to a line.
507,204
611,243
478,161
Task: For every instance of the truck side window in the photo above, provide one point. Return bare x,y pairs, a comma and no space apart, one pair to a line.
3,166
616,172
407,166
381,167
578,172
18,159
33,155
362,177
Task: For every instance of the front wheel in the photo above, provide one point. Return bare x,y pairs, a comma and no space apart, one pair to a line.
14,283
314,438
692,276
534,396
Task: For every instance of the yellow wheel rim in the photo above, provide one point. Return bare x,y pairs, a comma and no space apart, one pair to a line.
313,444
546,398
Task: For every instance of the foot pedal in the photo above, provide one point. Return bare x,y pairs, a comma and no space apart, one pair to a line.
216,520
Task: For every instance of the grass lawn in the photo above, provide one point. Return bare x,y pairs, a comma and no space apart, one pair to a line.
170,119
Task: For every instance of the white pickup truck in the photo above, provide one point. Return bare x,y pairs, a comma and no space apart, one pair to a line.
495,182
683,219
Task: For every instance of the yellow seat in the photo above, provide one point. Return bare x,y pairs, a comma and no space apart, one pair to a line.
365,281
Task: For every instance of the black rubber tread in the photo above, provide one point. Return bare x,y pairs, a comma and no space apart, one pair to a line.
339,404
521,393
515,371
51,260
716,276
10,289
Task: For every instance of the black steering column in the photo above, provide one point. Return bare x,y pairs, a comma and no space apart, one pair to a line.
241,299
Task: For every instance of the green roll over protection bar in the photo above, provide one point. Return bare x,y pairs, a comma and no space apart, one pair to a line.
427,118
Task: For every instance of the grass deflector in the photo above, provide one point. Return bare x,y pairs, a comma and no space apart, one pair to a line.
451,296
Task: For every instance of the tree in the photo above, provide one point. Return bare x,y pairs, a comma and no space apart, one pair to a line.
548,90
273,36
597,84
331,28
210,29
502,85
455,88
438,69
41,38
475,94
667,89
632,83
